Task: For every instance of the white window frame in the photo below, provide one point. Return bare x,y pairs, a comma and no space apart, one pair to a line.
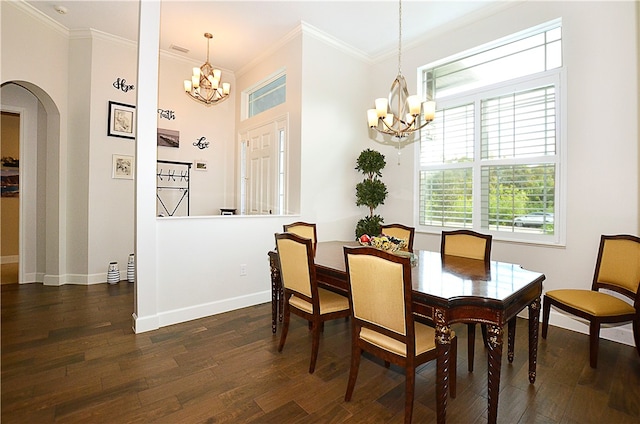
244,96
556,77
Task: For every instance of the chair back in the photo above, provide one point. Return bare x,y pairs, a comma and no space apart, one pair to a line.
297,271
467,244
401,232
380,291
618,264
303,229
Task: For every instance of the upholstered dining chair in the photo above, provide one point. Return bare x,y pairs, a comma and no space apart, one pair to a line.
473,245
303,229
617,270
380,295
306,230
401,232
302,296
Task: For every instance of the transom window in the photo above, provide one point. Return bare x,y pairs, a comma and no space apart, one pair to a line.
267,95
490,161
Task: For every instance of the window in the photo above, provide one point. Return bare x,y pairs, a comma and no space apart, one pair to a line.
267,95
490,161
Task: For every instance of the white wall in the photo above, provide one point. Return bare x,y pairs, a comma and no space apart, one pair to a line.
600,45
334,101
23,31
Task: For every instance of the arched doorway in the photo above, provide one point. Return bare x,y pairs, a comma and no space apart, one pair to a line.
40,225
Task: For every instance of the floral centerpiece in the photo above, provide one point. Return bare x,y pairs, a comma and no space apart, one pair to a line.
383,242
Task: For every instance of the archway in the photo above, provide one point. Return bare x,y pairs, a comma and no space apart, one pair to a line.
42,229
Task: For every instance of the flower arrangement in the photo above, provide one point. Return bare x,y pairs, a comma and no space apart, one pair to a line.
383,242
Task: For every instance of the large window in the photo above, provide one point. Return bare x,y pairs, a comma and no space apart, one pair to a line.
491,160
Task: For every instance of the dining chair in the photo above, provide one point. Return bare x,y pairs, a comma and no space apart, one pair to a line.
302,296
617,270
303,229
380,296
473,245
401,232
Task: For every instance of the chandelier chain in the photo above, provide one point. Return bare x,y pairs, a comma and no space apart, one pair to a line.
400,37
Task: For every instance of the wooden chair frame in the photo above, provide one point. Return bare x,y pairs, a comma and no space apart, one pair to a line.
596,321
316,320
291,228
408,362
471,327
410,230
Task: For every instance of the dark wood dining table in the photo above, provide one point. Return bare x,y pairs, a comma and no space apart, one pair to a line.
448,290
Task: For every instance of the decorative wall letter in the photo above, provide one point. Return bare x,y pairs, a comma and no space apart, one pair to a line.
121,84
201,143
167,114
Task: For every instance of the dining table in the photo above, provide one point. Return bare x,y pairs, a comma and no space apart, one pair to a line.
448,290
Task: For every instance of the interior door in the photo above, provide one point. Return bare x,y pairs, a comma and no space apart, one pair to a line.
262,170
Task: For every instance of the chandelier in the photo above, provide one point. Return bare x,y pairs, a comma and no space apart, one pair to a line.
401,114
204,85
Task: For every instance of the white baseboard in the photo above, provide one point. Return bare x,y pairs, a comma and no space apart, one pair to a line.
141,325
79,279
212,308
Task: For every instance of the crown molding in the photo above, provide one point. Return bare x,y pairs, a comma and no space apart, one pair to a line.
334,42
90,33
306,29
38,15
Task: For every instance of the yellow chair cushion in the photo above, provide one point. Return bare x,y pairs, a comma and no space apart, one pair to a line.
466,246
425,340
377,291
305,231
329,302
592,302
294,266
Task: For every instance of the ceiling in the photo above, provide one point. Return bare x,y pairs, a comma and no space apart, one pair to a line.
243,29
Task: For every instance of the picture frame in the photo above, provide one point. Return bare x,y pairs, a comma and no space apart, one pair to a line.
168,138
122,167
122,120
200,165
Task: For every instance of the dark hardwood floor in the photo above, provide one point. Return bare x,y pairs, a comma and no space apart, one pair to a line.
69,355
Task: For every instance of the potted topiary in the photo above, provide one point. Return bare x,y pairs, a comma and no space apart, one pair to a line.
371,192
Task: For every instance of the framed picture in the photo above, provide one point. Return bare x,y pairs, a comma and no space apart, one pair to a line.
10,176
200,165
122,167
122,120
168,138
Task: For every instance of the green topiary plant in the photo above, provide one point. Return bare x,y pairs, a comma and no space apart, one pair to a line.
371,192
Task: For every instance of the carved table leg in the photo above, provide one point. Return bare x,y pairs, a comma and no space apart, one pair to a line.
494,338
443,345
275,289
511,339
534,323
